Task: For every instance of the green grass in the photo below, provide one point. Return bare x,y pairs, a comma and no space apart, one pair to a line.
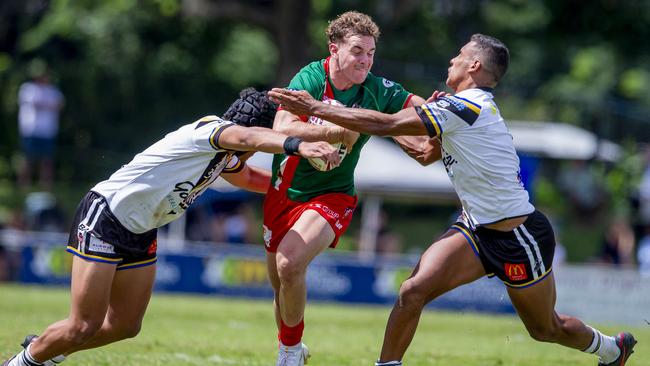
191,330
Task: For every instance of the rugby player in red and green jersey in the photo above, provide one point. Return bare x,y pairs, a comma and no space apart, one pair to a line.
306,210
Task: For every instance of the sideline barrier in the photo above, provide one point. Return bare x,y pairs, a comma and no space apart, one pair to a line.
592,293
240,270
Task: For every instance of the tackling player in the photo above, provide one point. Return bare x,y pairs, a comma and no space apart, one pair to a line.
113,238
307,210
499,233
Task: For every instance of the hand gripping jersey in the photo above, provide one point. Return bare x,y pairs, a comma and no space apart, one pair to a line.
160,183
294,174
478,154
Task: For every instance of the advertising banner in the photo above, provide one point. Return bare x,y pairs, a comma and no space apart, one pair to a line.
241,271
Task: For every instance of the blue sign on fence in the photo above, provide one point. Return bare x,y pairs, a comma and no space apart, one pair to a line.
240,271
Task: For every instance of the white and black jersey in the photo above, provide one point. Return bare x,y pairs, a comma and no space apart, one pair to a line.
478,154
161,182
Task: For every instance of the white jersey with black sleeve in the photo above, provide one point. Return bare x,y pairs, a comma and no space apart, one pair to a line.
161,182
478,154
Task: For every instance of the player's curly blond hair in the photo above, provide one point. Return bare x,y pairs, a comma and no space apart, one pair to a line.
351,23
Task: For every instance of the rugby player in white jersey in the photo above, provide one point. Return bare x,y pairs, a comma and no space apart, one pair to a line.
499,233
113,238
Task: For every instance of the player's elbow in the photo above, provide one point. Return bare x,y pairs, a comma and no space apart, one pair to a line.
284,121
429,158
284,128
423,160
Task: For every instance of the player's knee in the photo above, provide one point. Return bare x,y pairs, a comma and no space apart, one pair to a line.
129,330
412,294
290,271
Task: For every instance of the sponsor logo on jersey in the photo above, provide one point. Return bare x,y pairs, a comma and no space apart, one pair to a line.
387,83
99,246
447,103
188,191
183,190
448,162
516,271
319,121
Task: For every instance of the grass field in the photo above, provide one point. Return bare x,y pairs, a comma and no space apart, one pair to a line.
190,330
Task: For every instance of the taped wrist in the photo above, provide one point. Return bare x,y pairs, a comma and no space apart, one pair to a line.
291,145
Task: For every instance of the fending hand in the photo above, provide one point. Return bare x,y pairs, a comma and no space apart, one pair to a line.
298,102
437,94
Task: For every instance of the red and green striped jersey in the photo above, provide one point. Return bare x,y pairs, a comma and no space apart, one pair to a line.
301,181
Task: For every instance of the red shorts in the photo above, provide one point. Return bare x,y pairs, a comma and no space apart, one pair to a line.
280,213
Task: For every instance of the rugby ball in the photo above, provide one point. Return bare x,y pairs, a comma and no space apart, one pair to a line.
318,163
322,165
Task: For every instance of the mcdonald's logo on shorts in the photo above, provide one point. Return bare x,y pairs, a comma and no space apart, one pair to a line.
516,271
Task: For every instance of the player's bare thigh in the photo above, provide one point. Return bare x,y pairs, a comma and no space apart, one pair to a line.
448,263
130,295
309,236
91,284
535,304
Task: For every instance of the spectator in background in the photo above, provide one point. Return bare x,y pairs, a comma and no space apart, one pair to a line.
618,244
43,213
579,183
643,254
5,265
388,242
644,191
222,221
239,226
40,103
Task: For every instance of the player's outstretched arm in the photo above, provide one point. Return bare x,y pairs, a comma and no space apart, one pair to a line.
422,149
290,124
404,122
262,139
250,178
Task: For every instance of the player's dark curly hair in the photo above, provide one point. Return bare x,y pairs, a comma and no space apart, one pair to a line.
253,108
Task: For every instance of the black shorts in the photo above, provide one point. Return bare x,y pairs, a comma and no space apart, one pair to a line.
97,235
521,257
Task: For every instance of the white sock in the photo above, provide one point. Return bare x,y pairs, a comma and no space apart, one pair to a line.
23,358
389,363
52,362
603,346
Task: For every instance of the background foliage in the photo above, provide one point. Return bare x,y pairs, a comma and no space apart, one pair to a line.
131,70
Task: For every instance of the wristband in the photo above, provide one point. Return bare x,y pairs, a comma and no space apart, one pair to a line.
291,145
